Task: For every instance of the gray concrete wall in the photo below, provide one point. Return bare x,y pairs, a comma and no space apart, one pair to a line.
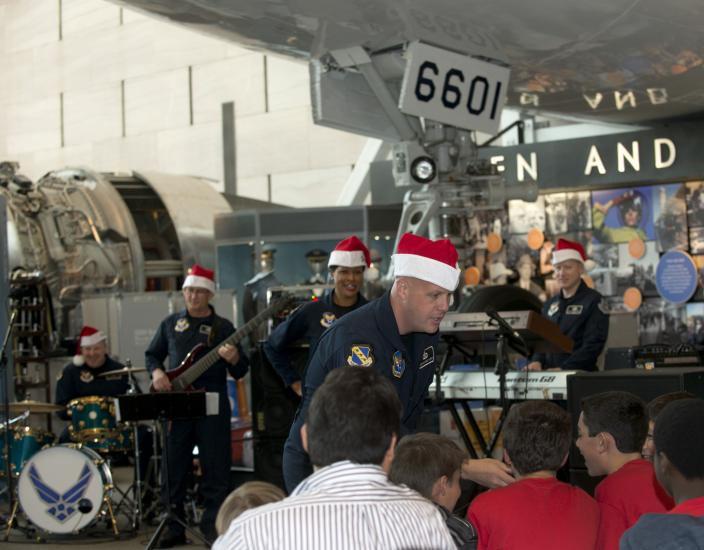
85,82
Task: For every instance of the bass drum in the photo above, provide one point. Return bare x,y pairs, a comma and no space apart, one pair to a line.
63,488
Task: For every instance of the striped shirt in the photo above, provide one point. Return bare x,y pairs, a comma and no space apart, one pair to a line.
342,506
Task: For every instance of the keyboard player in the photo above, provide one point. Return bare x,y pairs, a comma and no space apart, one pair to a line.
577,309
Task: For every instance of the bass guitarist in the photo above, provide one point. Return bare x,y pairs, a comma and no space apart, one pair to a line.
176,336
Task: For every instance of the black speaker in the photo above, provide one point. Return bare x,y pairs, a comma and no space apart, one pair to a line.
646,384
273,409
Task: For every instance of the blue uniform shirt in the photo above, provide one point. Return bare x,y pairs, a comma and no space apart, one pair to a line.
306,323
179,333
583,318
366,337
83,381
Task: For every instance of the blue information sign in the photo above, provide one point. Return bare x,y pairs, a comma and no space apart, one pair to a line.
676,276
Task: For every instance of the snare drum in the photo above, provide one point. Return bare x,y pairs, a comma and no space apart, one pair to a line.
90,417
25,442
119,440
63,488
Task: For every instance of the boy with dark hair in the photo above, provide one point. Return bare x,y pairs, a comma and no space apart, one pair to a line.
431,464
679,466
537,511
654,408
612,428
348,502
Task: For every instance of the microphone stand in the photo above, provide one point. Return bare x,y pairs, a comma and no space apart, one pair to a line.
506,337
6,406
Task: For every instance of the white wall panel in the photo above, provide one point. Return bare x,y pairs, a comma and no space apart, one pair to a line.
33,125
156,102
130,153
193,150
30,23
240,79
92,115
309,188
289,84
78,16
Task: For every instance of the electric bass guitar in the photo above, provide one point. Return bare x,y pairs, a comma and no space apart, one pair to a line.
190,369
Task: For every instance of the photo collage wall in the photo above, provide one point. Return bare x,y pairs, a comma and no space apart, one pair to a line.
612,225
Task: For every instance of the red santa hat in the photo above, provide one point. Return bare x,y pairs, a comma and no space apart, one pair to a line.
431,261
200,277
89,336
350,252
568,250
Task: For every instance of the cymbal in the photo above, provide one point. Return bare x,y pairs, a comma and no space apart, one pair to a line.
34,407
122,371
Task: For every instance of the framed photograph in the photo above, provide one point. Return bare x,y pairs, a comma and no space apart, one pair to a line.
639,273
670,212
695,323
695,203
661,322
696,240
555,213
620,215
579,211
524,216
604,272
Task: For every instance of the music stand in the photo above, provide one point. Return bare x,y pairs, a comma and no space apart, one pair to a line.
165,406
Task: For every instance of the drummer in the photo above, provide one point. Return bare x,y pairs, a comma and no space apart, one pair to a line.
80,377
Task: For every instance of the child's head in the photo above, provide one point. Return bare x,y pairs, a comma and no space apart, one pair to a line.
679,443
247,496
612,424
654,408
537,437
430,464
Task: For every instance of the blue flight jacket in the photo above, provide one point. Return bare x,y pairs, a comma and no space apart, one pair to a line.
369,337
583,318
307,323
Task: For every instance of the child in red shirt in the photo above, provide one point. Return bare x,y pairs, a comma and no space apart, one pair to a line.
612,429
537,511
678,440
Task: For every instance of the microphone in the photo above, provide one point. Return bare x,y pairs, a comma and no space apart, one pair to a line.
507,329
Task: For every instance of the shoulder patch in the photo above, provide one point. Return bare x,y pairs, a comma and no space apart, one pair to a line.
327,319
603,307
360,356
553,309
399,364
86,376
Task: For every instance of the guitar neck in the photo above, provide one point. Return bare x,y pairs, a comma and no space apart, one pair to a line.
209,359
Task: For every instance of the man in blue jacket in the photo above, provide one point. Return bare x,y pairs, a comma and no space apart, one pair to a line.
578,310
397,335
176,336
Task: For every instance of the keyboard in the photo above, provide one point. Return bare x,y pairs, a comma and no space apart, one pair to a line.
484,384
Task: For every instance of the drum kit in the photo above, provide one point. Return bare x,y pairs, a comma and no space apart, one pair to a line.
65,488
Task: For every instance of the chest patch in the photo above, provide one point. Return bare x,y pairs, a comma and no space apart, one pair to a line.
181,325
360,356
327,319
204,329
553,309
398,365
86,376
427,358
574,309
